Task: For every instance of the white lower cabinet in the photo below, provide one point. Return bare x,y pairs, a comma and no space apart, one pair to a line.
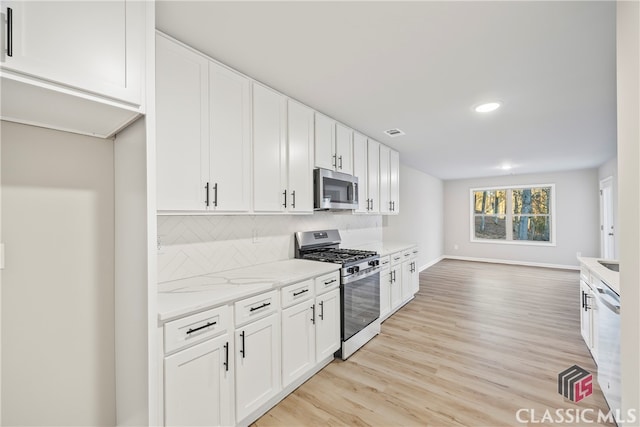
198,385
410,282
298,341
230,364
257,358
327,310
588,313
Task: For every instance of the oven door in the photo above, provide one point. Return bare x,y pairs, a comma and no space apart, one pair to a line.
360,302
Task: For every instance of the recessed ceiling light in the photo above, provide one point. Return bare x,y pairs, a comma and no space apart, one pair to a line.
394,132
488,107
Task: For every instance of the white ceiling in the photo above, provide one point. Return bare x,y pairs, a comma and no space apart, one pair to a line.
422,66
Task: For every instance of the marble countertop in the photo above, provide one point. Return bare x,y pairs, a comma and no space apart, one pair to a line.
611,278
386,248
177,298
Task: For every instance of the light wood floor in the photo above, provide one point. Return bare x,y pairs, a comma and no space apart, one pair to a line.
479,342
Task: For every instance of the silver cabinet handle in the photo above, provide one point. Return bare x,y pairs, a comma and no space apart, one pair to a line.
334,163
284,193
206,200
340,158
293,199
215,194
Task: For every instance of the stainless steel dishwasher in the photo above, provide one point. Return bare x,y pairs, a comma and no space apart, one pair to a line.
609,345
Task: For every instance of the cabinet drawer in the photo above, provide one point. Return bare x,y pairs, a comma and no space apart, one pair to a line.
408,254
297,292
256,307
385,261
195,328
396,258
327,282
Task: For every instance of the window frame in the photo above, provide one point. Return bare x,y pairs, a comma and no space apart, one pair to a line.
509,215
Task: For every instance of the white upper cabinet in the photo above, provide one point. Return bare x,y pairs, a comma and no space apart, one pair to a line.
394,181
282,153
203,133
230,140
300,157
182,126
269,150
344,149
373,175
360,171
333,145
385,183
90,52
389,180
325,142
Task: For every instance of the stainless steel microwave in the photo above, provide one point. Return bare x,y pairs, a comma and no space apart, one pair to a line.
334,190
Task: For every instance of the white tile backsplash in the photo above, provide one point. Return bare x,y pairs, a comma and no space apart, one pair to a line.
193,245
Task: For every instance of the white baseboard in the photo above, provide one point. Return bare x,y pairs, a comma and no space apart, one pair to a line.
513,262
431,263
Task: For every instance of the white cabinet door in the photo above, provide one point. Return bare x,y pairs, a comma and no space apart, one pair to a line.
230,140
325,142
385,293
298,341
327,324
396,286
269,150
394,181
300,158
586,314
182,126
360,171
415,278
198,385
385,179
257,364
407,280
344,149
95,46
373,175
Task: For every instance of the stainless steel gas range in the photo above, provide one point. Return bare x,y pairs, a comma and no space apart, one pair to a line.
359,285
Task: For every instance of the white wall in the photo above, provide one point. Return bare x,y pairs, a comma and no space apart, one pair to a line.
57,287
420,219
193,245
628,69
606,170
577,219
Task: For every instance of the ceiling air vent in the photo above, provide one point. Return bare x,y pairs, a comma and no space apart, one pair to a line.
394,132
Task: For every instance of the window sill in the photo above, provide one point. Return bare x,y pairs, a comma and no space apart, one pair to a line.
514,242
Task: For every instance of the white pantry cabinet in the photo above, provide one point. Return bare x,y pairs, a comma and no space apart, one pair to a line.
198,385
73,66
96,46
333,145
203,132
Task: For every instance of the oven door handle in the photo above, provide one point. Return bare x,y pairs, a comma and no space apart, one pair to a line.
363,275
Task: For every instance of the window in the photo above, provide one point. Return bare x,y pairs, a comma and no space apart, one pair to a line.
522,214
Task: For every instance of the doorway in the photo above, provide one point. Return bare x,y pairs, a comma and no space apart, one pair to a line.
607,231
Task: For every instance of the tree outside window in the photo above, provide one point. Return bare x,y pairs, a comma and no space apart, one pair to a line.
513,214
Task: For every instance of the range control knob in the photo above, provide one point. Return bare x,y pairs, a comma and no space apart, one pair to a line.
356,269
350,270
374,263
